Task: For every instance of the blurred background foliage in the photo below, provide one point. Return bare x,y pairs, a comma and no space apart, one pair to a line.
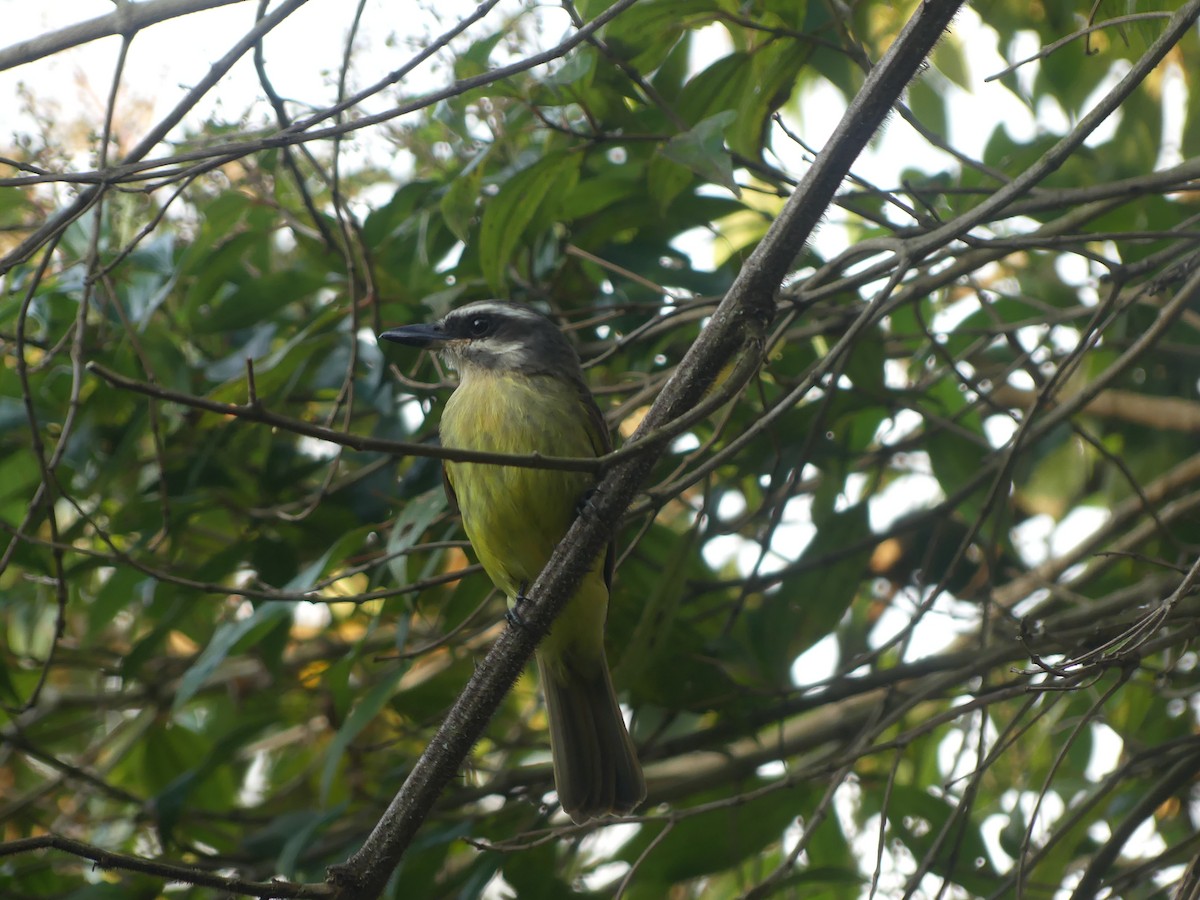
911,616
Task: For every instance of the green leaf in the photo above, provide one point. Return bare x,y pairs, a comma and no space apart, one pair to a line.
475,59
710,841
668,178
645,34
656,618
361,716
918,819
151,643
256,299
180,794
506,215
348,541
228,635
956,458
808,605
531,874
461,200
928,104
950,58
418,514
702,149
302,838
576,70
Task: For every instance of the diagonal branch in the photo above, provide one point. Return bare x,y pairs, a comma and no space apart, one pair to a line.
735,335
126,19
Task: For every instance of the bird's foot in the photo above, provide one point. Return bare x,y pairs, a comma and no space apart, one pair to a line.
587,504
513,613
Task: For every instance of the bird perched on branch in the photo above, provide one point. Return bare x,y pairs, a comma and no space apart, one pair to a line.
521,391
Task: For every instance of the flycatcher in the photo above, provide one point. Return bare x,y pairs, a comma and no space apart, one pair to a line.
521,391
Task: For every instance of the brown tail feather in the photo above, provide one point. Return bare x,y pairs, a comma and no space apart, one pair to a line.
596,770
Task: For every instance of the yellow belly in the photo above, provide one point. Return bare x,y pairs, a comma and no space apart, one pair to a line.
516,516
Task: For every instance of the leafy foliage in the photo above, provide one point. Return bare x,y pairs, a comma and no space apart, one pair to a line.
911,614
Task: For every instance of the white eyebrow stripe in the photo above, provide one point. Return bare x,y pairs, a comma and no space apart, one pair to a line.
497,308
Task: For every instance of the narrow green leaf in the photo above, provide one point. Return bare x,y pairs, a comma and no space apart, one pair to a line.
307,577
362,714
416,516
223,640
302,838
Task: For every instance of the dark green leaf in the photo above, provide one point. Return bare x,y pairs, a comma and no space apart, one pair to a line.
702,149
226,637
506,215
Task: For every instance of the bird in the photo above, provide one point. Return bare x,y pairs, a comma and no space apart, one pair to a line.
521,390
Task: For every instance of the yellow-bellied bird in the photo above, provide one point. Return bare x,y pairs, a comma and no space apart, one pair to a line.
521,391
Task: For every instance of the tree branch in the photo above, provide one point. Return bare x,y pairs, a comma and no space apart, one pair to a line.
1174,781
254,412
126,19
735,334
106,859
1161,413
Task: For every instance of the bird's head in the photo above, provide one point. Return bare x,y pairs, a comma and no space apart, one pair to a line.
494,335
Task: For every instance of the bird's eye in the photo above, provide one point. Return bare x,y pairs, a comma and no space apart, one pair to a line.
479,326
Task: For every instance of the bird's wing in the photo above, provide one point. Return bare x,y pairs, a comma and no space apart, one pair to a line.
597,427
601,442
449,486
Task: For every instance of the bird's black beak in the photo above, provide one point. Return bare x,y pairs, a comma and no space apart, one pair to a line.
415,335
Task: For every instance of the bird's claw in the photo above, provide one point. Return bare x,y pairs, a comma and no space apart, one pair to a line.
513,613
587,504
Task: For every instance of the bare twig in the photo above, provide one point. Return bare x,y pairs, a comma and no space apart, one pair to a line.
126,20
188,874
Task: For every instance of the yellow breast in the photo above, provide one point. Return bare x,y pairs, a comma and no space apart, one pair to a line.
516,516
